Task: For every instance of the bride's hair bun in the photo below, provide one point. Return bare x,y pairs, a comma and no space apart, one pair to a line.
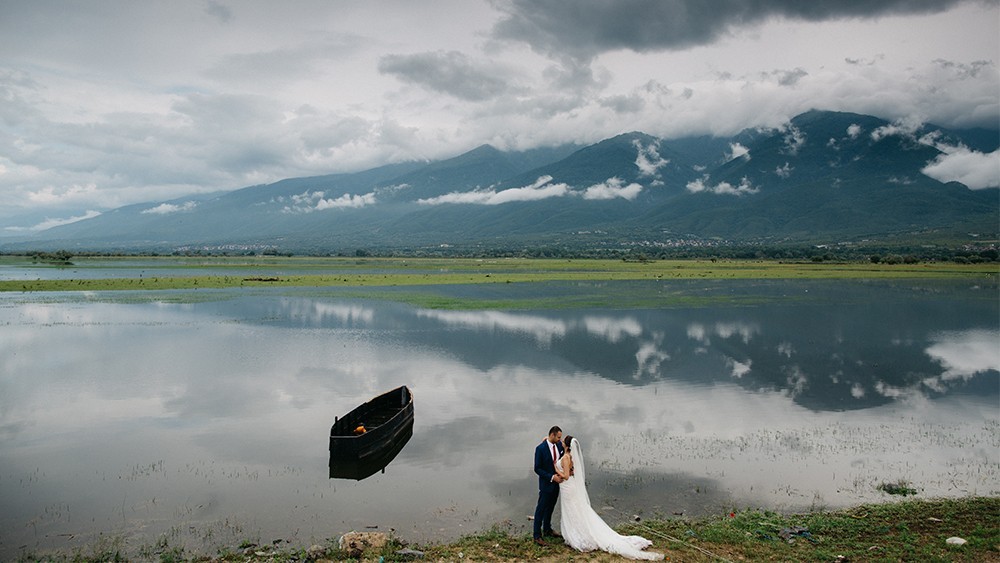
569,441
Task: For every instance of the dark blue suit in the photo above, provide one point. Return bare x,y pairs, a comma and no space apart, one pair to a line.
548,492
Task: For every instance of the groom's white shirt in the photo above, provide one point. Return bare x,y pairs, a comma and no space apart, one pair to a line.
555,456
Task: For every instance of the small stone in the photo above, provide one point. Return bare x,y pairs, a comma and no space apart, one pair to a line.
410,554
954,540
356,543
316,552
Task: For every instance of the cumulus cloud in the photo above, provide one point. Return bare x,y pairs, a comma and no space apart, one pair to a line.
542,188
784,171
648,159
960,164
737,150
853,130
168,208
794,140
723,188
451,73
956,163
612,188
308,202
907,127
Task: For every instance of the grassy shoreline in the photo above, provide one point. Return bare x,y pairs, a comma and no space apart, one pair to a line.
395,272
892,531
909,530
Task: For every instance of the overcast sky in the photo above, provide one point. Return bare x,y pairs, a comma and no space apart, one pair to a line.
107,103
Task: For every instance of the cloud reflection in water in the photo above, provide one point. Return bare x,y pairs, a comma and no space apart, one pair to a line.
221,410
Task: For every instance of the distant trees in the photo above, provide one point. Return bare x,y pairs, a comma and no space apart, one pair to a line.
57,257
912,253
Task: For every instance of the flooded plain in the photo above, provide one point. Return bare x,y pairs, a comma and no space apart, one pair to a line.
201,419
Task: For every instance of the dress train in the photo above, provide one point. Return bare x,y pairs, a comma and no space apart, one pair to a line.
584,530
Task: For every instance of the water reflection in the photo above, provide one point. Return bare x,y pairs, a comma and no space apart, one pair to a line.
357,468
213,417
823,357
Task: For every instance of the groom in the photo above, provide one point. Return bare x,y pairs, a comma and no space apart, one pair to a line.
546,455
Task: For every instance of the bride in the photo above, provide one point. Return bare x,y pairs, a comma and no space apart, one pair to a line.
582,528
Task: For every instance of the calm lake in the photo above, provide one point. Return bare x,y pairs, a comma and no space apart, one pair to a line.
201,419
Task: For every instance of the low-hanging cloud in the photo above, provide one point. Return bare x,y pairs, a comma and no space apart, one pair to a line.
794,140
50,223
745,187
961,164
736,150
901,128
168,208
307,202
648,159
613,188
540,189
956,163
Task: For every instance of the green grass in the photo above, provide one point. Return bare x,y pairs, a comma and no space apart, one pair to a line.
903,531
913,530
397,272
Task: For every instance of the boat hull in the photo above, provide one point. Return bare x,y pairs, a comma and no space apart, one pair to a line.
388,420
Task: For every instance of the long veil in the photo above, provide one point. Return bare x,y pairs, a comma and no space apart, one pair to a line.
579,469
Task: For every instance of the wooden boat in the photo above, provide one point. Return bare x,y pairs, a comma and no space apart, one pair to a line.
366,439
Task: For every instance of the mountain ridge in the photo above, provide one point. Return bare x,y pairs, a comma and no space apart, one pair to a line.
822,176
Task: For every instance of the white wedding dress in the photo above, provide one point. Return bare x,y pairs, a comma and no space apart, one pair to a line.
582,528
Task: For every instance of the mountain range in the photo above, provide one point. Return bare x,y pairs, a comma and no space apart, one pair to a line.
824,177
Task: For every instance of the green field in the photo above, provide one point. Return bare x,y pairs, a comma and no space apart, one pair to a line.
389,272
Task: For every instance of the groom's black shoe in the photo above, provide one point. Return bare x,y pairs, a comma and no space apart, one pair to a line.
541,542
553,533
